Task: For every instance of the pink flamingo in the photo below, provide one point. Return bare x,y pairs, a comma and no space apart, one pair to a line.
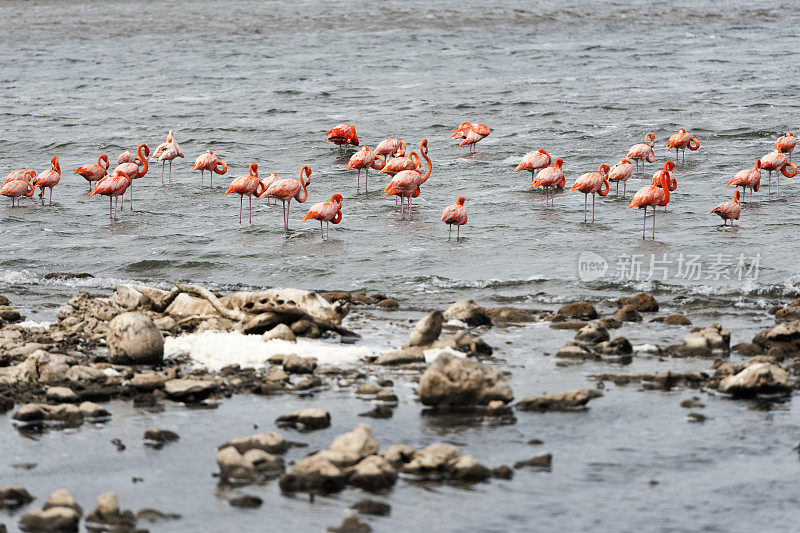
406,184
113,186
621,172
534,161
786,144
669,167
749,178
399,164
729,210
135,170
592,183
777,161
246,186
209,161
127,157
287,190
17,188
643,151
390,147
365,159
330,211
550,178
652,196
48,179
94,172
15,175
471,134
681,141
455,215
342,134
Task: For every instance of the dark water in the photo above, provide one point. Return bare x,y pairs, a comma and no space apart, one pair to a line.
262,81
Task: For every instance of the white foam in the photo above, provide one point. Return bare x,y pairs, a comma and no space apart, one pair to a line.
34,324
433,353
217,349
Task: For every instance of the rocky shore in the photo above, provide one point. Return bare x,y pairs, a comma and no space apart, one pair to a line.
60,376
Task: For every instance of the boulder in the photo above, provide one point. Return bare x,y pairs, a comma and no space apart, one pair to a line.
430,461
269,441
12,497
93,411
264,462
677,320
129,298
580,310
289,303
574,350
294,364
427,329
540,461
312,418
247,501
351,524
455,381
784,333
401,357
306,328
54,519
372,473
62,498
107,513
510,315
388,303
641,302
349,448
133,339
372,507
147,382
398,454
628,313
38,413
466,468
157,438
62,395
280,332
592,333
617,346
469,312
789,313
558,402
190,390
234,468
185,306
313,473
708,339
758,378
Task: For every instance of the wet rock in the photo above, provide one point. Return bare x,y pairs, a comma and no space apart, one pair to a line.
502,472
250,466
677,320
540,461
269,441
789,313
213,323
4,300
107,513
379,411
574,350
466,468
592,333
386,396
313,473
430,462
618,346
165,323
12,497
6,404
510,315
368,389
759,378
641,302
246,501
472,345
308,419
185,305
628,313
692,403
190,390
351,524
388,303
309,383
133,338
93,411
580,310
454,381
130,299
154,515
784,333
747,348
264,462
279,332
696,417
9,315
294,364
498,408
372,473
37,414
54,519
157,438
333,296
427,329
372,507
306,328
349,448
62,395
555,402
469,312
399,454
147,382
62,498
401,357
118,444
567,324
708,339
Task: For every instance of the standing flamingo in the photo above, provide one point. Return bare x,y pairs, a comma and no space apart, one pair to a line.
643,151
365,159
135,170
127,157
406,184
399,164
209,161
287,190
786,144
550,178
94,172
681,141
330,211
534,161
390,147
621,172
749,178
777,161
15,175
651,196
342,134
729,210
471,134
455,214
170,143
168,154
594,183
17,188
246,186
48,179
669,167
113,186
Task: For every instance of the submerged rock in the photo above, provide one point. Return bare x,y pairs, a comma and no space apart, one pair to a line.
372,507
250,466
641,302
401,357
313,473
54,519
159,437
469,312
628,313
454,381
351,524
246,501
312,418
553,402
107,513
372,473
510,315
269,441
430,461
758,378
12,497
427,329
592,333
190,390
134,339
540,461
466,468
580,310
349,448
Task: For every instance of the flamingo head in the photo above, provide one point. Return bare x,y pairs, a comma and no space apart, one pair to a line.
337,199
669,166
603,169
758,164
170,137
103,158
736,196
461,200
55,164
625,160
650,138
254,169
558,162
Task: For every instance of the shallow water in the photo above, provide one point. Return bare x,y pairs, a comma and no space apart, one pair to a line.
263,81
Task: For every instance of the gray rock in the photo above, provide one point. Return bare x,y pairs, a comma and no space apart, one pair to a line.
246,501
592,333
372,473
466,468
190,390
294,364
349,448
311,418
54,519
430,461
313,473
130,299
158,437
455,381
62,395
556,402
427,329
147,382
574,350
134,339
401,357
618,346
469,312
372,507
580,310
62,498
540,461
279,332
758,378
185,305
269,441
93,411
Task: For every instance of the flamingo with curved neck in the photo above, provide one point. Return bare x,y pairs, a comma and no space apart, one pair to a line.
17,188
248,185
728,210
592,183
550,178
406,184
749,178
643,151
287,190
330,211
652,196
94,172
48,179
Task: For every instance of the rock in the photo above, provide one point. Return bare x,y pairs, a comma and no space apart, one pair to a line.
134,339
677,320
386,396
309,383
154,515
93,411
9,315
379,411
130,299
306,328
62,395
294,364
540,461
592,333
497,408
466,468
454,381
759,378
692,403
581,310
696,417
401,357
37,414
107,513
791,312
147,382
279,332
288,302
54,519
628,313
469,312
6,404
333,296
574,350
747,348
246,501
510,314
234,468
165,323
372,473
264,462
4,300
349,448
641,302
269,441
213,323
308,419
430,462
367,389
313,473
372,507
398,454
388,303
462,341
708,339
185,306
158,437
555,402
62,498
786,333
12,497
190,390
427,329
502,472
351,524
618,346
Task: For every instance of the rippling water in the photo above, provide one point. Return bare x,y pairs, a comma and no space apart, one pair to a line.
262,82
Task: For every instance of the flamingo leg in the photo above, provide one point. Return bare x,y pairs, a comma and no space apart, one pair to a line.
162,171
250,199
654,223
131,197
624,188
644,221
320,229
241,201
201,177
458,232
327,230
585,200
170,170
358,183
211,178
449,231
366,182
592,208
110,207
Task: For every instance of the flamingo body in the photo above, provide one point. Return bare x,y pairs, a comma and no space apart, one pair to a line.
342,134
48,179
330,211
534,161
455,215
730,210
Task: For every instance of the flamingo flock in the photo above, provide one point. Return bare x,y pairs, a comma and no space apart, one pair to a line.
404,168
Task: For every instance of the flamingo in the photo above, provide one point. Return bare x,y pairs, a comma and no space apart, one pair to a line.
20,175
729,210
365,159
127,157
786,144
113,186
246,186
399,164
170,142
330,211
342,134
389,147
749,178
455,214
621,172
550,178
133,170
471,133
94,172
681,140
209,161
594,183
669,167
652,196
17,188
534,161
267,182
777,161
643,151
48,178
287,190
406,184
